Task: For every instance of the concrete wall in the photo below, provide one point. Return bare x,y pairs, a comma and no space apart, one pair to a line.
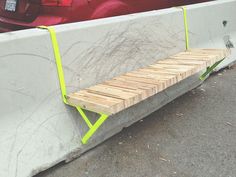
213,25
37,130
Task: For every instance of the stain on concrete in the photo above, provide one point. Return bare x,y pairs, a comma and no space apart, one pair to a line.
228,43
225,22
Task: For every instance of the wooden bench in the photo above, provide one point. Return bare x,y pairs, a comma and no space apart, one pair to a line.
119,93
122,92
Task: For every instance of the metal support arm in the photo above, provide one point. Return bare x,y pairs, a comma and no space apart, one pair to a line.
209,70
92,127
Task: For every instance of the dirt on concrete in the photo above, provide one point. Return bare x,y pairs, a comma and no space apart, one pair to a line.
193,136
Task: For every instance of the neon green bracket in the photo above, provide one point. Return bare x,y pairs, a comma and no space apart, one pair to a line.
185,26
209,70
57,56
103,117
92,127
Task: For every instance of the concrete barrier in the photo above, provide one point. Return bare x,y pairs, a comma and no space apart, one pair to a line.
213,25
37,130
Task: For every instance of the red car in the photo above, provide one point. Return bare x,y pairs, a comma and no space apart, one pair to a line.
21,14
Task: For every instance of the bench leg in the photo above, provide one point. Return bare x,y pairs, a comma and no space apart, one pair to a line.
92,127
83,115
209,70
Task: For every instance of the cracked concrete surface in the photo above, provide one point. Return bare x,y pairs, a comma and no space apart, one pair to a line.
193,136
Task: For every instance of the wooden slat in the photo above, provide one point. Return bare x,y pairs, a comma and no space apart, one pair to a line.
210,56
221,53
96,102
159,85
139,83
177,75
184,62
145,90
195,58
128,97
121,92
189,70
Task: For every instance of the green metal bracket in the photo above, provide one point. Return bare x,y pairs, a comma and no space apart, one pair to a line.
209,70
185,26
92,127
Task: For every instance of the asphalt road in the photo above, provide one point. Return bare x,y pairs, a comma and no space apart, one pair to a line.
193,136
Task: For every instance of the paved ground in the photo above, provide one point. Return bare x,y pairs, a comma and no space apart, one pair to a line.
194,136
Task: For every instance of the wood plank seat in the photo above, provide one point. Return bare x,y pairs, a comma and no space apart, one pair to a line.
121,92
